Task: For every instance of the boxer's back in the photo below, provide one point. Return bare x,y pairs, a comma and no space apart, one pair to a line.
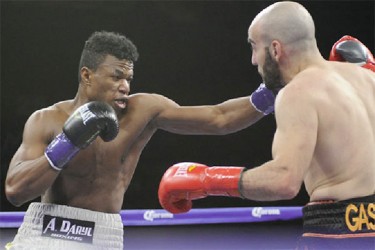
343,165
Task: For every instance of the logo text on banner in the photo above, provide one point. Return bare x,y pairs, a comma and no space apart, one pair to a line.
258,212
150,215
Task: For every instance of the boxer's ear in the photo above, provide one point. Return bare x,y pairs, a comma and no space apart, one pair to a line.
275,50
85,75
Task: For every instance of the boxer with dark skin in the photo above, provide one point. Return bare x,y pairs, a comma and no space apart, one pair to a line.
97,177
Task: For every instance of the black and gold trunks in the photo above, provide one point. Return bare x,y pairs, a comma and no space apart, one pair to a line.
347,218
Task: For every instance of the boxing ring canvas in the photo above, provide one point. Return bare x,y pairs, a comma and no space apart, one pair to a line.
208,228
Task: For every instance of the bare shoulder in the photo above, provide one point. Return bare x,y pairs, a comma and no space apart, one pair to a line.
48,121
297,89
58,110
309,80
151,101
300,93
148,97
149,107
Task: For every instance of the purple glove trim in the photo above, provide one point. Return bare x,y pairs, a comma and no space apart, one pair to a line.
263,99
60,151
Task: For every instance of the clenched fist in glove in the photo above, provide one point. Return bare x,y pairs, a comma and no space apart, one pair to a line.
81,129
350,49
186,181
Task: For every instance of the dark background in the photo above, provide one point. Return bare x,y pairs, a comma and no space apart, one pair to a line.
194,52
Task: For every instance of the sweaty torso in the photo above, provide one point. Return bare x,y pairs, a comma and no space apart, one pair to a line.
98,176
343,164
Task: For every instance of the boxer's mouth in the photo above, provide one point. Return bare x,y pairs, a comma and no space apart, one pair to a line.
121,103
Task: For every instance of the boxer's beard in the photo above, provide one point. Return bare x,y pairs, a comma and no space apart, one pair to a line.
271,73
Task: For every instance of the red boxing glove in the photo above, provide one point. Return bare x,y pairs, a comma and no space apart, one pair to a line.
350,49
187,181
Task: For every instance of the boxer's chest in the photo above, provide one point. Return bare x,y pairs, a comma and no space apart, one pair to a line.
118,156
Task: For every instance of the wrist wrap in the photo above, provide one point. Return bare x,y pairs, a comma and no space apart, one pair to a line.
60,151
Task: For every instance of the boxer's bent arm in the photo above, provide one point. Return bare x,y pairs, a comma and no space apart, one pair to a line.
292,149
29,174
227,117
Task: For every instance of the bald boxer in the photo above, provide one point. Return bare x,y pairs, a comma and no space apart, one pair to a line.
325,136
80,155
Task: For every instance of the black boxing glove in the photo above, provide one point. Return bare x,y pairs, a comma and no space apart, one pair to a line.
82,128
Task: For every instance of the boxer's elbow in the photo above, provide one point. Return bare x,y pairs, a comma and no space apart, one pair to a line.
289,187
288,192
14,194
13,198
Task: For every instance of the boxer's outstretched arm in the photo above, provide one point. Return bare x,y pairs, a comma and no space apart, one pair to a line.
224,118
227,117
